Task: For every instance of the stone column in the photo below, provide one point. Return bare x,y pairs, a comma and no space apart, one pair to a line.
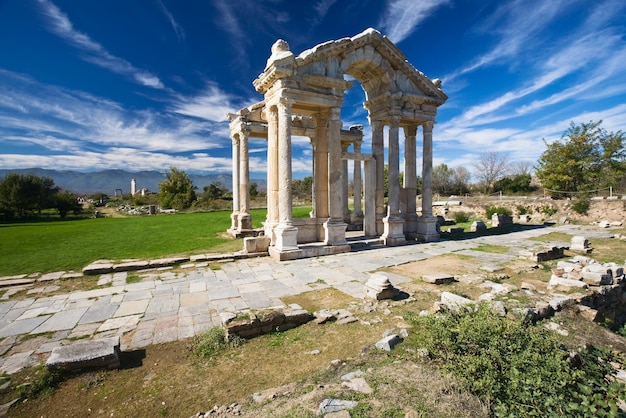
427,223
335,228
286,233
272,172
410,180
234,227
245,219
393,223
357,214
320,166
344,188
369,218
378,151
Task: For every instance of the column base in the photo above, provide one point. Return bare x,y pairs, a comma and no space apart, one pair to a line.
394,231
268,231
245,221
335,232
286,237
234,224
427,229
410,230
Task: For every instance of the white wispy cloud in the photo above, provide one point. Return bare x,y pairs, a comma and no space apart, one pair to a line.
212,104
178,29
92,51
73,124
402,17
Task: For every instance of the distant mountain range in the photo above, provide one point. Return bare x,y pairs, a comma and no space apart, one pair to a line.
107,181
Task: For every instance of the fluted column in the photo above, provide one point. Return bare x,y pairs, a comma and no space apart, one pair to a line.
393,223
410,180
427,170
320,166
344,188
272,172
394,167
235,175
245,219
427,223
335,228
378,151
357,189
286,234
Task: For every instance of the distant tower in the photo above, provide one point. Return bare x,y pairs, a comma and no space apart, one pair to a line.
133,186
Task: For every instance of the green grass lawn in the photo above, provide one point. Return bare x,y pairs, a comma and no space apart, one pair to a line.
72,244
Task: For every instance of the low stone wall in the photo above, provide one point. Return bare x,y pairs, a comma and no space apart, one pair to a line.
607,304
254,324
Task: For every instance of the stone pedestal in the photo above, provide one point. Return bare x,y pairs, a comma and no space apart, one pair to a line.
286,237
427,229
394,231
379,287
335,232
411,226
245,221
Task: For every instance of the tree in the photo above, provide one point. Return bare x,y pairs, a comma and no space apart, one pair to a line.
586,158
514,184
442,179
23,192
65,202
460,180
177,190
214,191
490,167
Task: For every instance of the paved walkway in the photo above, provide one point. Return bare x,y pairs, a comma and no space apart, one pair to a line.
166,305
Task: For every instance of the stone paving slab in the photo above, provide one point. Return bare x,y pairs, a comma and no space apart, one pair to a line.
168,305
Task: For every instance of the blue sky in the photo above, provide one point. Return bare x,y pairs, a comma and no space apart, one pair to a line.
146,84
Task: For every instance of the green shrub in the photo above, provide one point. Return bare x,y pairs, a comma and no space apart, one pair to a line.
212,342
42,385
490,210
517,368
582,206
461,217
522,210
548,210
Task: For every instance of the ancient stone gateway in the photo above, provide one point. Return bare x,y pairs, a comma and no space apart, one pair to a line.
303,96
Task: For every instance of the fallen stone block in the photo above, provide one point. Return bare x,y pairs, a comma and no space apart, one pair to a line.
438,278
562,284
389,342
580,243
588,313
329,405
455,302
478,226
102,353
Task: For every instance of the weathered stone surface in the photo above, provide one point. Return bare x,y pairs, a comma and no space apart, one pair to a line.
580,243
389,342
562,284
358,384
103,353
379,287
438,278
455,302
330,405
97,268
501,219
478,226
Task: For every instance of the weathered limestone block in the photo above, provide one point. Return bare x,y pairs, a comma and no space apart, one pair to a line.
379,287
524,219
102,353
98,268
253,245
568,266
580,243
478,226
389,342
588,313
438,278
562,284
597,275
542,254
455,302
501,219
328,406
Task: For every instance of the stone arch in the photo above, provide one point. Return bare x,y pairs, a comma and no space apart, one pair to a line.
310,87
